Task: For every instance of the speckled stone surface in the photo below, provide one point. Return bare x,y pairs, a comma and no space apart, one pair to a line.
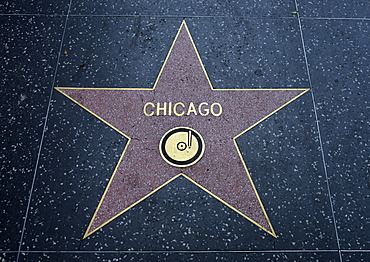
334,8
183,257
232,50
37,7
137,49
340,77
240,52
28,59
243,44
64,189
8,256
296,182
180,8
358,256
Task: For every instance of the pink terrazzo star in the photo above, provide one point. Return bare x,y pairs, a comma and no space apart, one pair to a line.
141,170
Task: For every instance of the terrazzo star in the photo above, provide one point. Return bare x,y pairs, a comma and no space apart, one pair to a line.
200,145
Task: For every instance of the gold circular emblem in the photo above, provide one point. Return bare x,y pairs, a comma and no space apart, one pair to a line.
181,147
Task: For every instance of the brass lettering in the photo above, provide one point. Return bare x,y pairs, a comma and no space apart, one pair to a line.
206,110
191,109
179,109
169,108
145,106
159,109
219,109
175,109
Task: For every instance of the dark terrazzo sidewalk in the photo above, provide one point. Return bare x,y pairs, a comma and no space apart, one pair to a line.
309,161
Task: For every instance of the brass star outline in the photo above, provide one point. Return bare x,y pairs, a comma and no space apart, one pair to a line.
63,91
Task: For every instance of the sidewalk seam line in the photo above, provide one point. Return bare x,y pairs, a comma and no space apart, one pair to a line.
319,133
43,135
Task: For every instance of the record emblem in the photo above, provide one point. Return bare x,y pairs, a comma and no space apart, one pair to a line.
181,147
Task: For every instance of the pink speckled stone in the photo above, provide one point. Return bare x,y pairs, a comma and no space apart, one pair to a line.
142,169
